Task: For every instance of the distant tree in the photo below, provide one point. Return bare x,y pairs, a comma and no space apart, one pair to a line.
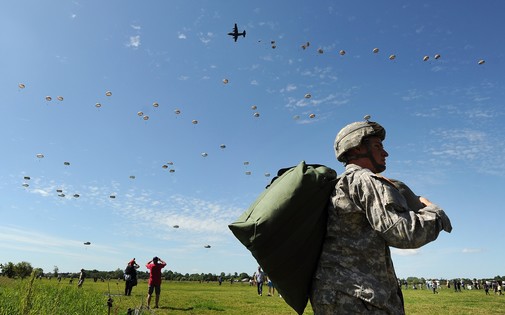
8,270
39,272
118,273
23,269
55,271
168,275
243,275
412,280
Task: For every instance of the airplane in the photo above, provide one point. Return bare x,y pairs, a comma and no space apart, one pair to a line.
235,33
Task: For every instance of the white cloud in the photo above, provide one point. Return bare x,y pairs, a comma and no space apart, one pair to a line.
405,252
288,88
181,36
19,239
136,27
471,250
42,192
206,38
134,41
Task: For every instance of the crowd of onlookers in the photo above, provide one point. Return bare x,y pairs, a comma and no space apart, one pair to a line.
456,284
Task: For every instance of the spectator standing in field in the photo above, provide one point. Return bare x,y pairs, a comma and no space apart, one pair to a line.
434,286
82,276
271,287
155,265
486,288
259,276
367,214
130,276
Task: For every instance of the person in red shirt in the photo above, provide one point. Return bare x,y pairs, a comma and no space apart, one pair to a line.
155,267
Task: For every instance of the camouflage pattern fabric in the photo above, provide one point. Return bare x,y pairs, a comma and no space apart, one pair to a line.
366,215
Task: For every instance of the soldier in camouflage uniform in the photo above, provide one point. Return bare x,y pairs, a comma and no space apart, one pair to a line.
367,214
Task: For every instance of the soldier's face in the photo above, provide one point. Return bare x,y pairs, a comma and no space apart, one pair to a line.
371,155
378,153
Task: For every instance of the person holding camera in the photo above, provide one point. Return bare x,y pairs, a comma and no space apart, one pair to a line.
130,276
155,265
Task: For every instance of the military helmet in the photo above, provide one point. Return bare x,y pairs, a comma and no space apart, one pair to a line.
351,136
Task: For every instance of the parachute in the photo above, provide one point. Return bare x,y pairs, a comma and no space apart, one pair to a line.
375,50
108,93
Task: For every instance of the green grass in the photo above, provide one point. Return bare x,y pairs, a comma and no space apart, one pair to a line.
51,297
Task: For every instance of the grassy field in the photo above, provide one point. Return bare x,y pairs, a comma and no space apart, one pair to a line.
50,297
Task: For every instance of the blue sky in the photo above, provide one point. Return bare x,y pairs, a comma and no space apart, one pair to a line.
443,118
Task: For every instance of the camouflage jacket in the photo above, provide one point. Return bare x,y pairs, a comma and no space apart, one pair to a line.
366,215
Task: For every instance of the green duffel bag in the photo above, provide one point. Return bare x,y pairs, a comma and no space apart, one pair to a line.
285,227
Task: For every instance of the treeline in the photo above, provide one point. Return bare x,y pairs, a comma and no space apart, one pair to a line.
24,269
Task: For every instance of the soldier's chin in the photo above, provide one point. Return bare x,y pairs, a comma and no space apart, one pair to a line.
380,168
